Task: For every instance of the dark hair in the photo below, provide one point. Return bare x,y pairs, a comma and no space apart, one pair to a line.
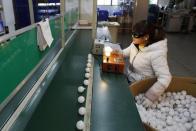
156,33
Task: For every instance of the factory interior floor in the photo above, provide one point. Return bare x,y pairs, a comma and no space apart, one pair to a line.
181,52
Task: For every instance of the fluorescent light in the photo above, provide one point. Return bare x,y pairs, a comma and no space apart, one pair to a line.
48,4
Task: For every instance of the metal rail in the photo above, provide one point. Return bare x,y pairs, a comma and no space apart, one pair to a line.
29,96
87,117
20,31
21,84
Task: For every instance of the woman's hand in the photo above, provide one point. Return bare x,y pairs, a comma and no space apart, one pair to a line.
147,103
155,91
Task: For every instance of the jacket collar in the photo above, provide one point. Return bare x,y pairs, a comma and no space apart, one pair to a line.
157,46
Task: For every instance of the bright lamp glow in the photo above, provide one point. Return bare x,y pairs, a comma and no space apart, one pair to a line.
107,54
108,51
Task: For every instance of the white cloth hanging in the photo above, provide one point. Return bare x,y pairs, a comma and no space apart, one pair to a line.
44,35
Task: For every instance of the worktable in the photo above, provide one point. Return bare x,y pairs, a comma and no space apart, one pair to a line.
113,106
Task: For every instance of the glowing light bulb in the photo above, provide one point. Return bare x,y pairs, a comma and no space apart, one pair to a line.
107,54
108,51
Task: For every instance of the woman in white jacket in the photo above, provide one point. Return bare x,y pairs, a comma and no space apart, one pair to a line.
148,58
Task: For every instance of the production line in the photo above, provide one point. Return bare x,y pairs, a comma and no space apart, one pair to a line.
112,105
99,65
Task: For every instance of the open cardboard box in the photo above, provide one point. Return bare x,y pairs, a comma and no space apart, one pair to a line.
177,84
84,23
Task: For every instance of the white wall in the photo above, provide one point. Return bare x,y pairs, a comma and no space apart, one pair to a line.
8,13
86,10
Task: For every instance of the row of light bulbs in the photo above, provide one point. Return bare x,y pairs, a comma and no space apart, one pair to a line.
81,99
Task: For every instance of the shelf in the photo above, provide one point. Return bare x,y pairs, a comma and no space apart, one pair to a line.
77,26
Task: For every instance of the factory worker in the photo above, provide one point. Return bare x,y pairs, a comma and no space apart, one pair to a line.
148,58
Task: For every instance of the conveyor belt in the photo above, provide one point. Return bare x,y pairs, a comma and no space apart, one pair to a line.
113,108
58,110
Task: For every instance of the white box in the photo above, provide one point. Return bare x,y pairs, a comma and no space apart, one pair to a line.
98,47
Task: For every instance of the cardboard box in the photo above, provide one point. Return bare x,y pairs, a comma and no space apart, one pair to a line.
177,84
83,23
115,63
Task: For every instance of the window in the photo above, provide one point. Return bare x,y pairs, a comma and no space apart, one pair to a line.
103,2
153,2
108,2
114,2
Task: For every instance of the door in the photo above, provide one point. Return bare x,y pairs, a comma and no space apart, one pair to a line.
21,12
140,10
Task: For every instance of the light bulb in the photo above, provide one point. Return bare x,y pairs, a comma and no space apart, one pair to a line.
89,55
80,125
82,110
108,54
81,89
81,99
86,82
87,75
107,51
87,69
89,61
188,126
88,65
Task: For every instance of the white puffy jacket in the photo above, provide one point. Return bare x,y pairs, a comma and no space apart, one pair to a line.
149,62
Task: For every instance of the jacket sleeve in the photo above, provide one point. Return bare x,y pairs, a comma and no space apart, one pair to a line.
161,70
126,52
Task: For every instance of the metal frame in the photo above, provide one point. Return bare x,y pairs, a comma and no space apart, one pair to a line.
29,96
31,93
31,11
94,22
24,101
87,117
79,9
20,31
8,36
62,8
8,105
